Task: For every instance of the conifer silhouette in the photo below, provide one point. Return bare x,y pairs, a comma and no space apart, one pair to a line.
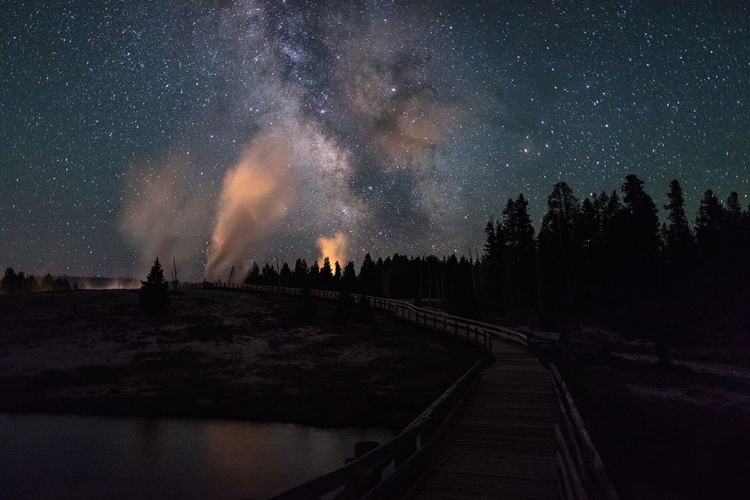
153,294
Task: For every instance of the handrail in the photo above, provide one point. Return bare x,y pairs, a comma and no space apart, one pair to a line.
449,393
476,332
357,476
350,474
582,471
362,477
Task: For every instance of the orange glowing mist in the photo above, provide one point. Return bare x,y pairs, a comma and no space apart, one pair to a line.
255,193
333,248
163,217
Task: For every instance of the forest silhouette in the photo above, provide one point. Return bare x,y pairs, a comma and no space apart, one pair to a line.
605,261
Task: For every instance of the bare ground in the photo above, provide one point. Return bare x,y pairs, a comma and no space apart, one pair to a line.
219,354
678,432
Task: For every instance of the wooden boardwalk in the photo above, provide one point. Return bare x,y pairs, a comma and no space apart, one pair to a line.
501,443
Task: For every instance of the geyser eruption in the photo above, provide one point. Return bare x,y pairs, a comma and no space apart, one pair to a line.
163,216
333,248
255,193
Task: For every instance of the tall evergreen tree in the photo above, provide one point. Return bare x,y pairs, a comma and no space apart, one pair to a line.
369,284
299,275
285,275
31,284
153,294
641,232
493,256
679,238
349,278
588,225
734,218
326,274
521,251
560,250
253,276
314,276
611,212
48,282
337,274
709,227
8,282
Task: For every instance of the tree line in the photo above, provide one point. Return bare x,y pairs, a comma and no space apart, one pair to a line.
396,276
609,258
12,282
606,258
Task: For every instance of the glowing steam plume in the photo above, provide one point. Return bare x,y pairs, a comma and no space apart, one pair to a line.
163,217
333,248
255,193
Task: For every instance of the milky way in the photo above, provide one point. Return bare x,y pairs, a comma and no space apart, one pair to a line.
220,132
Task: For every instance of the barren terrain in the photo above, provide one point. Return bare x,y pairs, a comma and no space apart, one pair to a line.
219,354
663,432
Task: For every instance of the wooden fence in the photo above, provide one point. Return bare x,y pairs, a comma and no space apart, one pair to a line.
579,467
476,332
406,453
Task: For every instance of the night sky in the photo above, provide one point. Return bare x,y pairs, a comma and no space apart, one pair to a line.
223,131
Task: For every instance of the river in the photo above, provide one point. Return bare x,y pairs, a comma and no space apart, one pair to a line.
82,457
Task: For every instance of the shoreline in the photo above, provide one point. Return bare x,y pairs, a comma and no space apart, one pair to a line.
221,356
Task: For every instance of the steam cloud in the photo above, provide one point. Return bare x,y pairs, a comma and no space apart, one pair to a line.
256,192
163,216
333,248
362,166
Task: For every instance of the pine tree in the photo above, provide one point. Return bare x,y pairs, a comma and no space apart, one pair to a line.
639,248
560,249
253,277
285,274
326,274
48,282
679,238
520,266
734,218
31,284
493,255
709,226
337,274
270,276
368,280
153,294
8,282
590,239
299,275
349,278
641,228
610,213
314,276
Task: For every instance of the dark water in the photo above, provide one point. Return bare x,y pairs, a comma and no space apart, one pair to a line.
93,457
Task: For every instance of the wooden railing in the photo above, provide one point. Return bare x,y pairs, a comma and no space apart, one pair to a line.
579,467
476,332
406,453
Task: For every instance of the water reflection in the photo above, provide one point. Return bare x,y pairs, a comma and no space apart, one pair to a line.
92,457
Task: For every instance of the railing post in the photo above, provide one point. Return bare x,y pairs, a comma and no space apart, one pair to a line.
404,452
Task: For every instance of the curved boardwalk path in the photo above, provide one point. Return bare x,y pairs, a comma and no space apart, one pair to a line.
501,442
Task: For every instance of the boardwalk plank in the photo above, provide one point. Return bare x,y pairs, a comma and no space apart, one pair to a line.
501,443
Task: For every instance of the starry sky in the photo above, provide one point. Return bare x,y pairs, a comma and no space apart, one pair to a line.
222,131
